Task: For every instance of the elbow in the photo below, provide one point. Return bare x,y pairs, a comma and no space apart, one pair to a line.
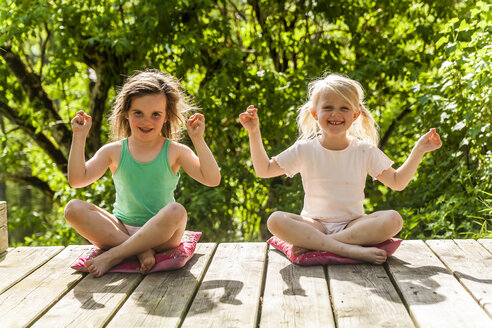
263,173
398,183
72,183
75,183
398,187
215,182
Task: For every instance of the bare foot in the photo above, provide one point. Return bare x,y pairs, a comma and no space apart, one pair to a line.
298,250
372,255
100,264
147,261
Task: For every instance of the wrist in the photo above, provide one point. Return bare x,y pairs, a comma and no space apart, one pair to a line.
418,150
197,139
79,139
79,136
254,132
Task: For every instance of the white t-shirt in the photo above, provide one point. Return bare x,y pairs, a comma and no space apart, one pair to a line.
333,180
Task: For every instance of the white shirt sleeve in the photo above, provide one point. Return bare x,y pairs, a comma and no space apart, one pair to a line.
378,162
289,160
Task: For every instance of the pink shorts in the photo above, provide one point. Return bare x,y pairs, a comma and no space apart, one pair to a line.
332,227
131,229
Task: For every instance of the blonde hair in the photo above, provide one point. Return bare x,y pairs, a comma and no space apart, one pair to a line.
364,128
148,82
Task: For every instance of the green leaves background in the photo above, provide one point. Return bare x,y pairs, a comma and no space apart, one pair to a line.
423,64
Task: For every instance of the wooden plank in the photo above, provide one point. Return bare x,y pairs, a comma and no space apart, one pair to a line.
27,300
432,294
363,296
471,264
295,296
230,293
19,262
162,298
92,302
487,243
4,235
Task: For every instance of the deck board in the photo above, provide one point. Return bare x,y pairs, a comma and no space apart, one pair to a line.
92,302
41,289
471,264
295,296
15,264
437,283
4,234
363,296
428,288
230,290
162,298
487,243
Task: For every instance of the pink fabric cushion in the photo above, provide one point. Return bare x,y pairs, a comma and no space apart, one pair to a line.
318,257
171,259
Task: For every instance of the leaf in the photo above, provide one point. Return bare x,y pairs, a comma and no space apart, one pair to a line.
441,41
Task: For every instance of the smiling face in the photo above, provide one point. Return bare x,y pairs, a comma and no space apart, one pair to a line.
334,113
147,115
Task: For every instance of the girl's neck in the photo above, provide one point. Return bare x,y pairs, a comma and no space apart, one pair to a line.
146,144
332,142
138,146
145,151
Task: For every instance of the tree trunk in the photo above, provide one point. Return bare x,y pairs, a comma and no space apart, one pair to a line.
39,99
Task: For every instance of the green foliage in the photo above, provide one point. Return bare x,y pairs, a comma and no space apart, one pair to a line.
423,64
456,98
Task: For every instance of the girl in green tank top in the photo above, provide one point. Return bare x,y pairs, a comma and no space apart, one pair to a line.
147,116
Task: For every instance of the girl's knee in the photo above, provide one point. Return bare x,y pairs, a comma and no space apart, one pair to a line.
177,211
395,221
275,221
74,208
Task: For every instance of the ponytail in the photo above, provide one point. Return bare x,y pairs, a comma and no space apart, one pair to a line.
365,128
307,124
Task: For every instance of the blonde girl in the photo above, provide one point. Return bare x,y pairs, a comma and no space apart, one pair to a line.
144,160
336,150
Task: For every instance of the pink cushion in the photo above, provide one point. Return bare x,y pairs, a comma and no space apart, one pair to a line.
318,257
171,259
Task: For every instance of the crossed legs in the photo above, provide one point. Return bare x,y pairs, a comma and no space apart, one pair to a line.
104,230
367,230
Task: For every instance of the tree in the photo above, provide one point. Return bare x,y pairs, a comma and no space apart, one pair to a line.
59,57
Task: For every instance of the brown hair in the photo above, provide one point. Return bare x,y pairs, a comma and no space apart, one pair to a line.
148,82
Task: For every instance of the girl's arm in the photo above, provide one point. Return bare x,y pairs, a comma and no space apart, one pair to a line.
263,165
399,179
80,173
201,167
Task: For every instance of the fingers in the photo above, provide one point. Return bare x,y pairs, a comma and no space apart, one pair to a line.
437,139
196,120
251,109
434,137
249,114
431,140
82,114
197,116
243,117
81,117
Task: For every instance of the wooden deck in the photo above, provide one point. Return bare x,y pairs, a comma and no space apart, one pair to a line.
437,283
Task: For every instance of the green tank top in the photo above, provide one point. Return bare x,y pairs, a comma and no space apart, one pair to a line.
142,189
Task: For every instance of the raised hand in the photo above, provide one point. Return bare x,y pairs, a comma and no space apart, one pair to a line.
249,119
196,125
81,123
429,141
